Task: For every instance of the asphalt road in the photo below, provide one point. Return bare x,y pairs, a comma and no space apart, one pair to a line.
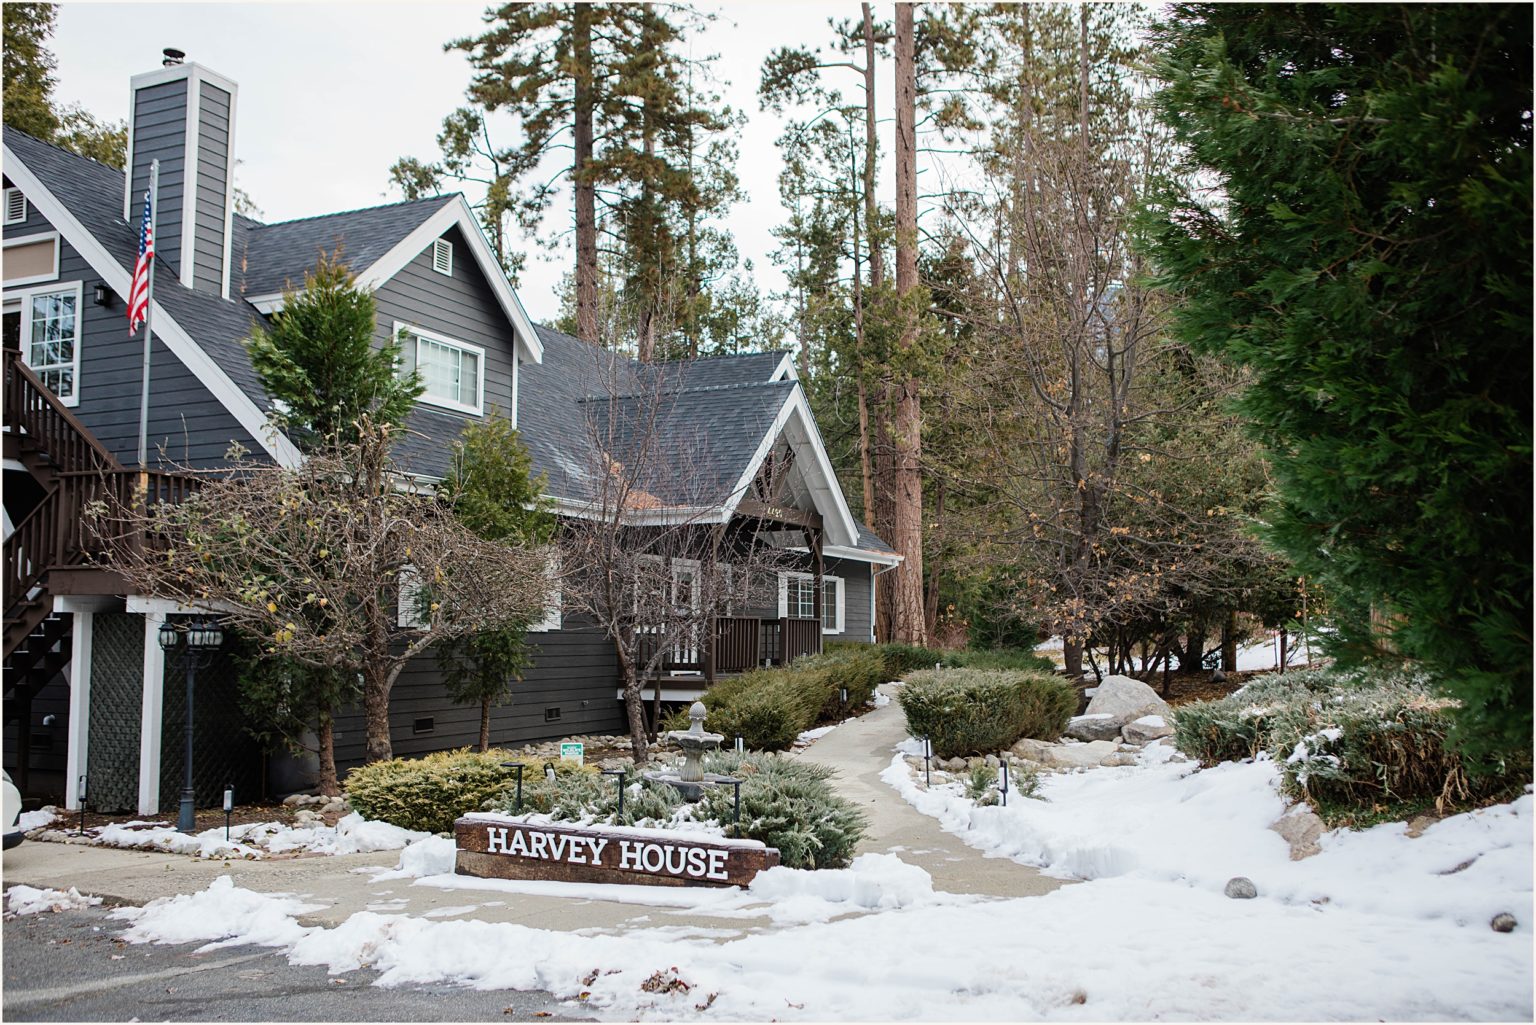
72,966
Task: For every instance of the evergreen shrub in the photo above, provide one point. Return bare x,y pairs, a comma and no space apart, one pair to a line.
974,711
788,804
428,793
1346,741
769,708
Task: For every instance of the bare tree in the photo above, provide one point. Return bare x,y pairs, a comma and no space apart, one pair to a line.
648,556
337,564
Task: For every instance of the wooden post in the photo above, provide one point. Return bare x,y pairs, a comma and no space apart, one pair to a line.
813,541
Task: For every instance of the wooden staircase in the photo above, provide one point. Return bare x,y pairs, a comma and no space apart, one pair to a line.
64,458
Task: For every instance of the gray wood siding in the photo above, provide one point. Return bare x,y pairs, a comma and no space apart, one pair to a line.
160,132
574,670
34,224
213,158
461,307
856,585
184,417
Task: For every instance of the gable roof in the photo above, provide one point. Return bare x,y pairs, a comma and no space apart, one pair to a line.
273,258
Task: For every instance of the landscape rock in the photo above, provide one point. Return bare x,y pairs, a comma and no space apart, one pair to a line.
1126,700
1093,727
335,807
1241,888
1217,676
1146,729
1119,758
992,762
1079,756
1301,828
1031,750
1503,922
294,799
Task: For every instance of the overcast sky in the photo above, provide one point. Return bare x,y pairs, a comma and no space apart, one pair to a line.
332,93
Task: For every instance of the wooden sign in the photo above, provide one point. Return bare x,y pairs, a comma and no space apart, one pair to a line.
498,847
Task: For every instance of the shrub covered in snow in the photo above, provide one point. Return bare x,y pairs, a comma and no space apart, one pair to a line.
1344,739
973,711
786,803
588,795
429,792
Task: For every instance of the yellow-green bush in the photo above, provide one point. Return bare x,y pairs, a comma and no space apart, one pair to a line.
429,792
769,708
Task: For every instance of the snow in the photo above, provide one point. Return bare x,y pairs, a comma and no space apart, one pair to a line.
29,900
1151,720
880,700
1377,925
352,834
30,820
811,736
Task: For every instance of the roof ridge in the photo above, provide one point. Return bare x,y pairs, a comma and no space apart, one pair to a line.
689,391
358,210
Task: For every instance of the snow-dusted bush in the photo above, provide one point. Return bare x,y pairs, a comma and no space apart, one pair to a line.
585,794
429,792
789,804
769,708
973,711
1345,740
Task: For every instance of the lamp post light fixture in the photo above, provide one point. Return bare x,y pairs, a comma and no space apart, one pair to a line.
203,638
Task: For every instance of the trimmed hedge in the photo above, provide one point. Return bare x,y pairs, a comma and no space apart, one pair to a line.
428,793
974,711
1344,740
769,708
901,659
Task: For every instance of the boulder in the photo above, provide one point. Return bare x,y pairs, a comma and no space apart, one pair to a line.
1241,888
1146,729
1503,922
1125,700
1032,750
1119,758
1079,756
1093,727
1301,828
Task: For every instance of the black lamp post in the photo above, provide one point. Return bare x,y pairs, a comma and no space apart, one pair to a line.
204,636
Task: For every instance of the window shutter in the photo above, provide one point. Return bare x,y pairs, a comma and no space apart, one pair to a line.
15,206
442,256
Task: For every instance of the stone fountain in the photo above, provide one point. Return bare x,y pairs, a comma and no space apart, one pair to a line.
691,779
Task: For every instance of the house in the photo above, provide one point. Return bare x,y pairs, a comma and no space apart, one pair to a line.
88,704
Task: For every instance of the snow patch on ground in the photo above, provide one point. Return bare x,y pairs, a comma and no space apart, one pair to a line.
811,736
29,900
30,820
353,834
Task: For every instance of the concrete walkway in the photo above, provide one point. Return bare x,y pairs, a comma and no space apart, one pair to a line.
860,750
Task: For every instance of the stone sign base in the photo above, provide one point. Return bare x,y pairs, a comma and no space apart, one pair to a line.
499,847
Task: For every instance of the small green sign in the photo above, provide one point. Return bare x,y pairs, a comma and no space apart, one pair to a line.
571,751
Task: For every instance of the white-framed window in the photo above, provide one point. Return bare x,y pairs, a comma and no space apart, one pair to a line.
15,206
551,620
409,614
50,337
453,371
30,259
442,256
797,597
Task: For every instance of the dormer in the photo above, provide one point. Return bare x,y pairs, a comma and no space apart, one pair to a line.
183,115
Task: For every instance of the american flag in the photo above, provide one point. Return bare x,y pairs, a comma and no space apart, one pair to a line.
138,292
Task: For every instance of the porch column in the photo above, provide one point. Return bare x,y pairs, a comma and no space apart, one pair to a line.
813,542
76,762
150,720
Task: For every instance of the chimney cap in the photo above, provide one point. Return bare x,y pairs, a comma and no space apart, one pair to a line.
173,56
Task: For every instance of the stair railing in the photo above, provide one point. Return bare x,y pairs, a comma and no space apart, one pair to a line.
31,407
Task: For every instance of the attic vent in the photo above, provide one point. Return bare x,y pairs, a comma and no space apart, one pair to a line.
442,257
15,206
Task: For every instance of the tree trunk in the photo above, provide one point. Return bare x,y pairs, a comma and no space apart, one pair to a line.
485,724
1072,657
931,592
1193,652
1229,644
327,783
871,210
585,189
907,623
866,466
377,747
1284,648
634,705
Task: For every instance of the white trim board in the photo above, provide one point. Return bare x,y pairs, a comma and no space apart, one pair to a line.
457,213
212,376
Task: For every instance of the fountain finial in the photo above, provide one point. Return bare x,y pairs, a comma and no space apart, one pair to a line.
696,714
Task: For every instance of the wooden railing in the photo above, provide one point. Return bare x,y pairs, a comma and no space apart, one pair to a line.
32,409
738,643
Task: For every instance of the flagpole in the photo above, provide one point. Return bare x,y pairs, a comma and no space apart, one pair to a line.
149,307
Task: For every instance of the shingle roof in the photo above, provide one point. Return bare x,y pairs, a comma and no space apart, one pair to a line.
718,409
269,258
